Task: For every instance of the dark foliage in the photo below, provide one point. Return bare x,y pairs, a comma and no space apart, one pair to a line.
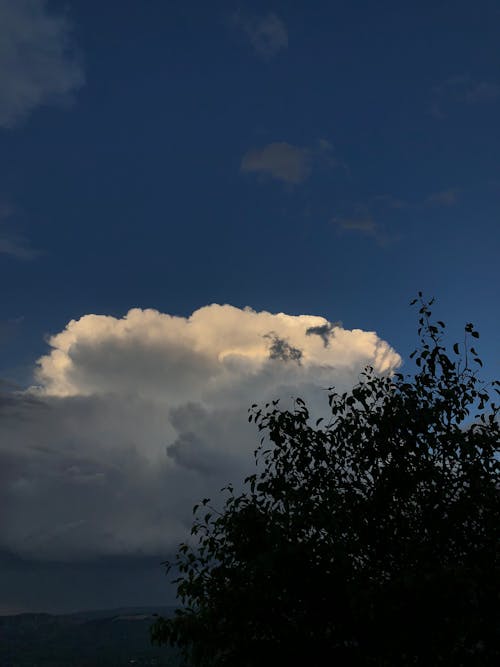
371,539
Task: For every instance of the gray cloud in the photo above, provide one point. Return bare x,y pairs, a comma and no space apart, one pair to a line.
38,63
280,160
202,444
267,34
325,331
281,349
58,587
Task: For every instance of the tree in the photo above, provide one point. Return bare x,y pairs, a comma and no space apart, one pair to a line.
371,539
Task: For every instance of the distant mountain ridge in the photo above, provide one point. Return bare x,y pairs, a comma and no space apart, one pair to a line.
95,638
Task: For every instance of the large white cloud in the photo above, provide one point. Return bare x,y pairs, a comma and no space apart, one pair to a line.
132,420
38,64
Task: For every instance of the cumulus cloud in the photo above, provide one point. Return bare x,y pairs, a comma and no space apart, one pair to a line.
134,419
38,63
267,34
279,160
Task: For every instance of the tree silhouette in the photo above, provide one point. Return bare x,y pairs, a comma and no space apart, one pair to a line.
370,538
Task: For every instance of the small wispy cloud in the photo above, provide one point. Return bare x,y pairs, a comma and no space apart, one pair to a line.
483,91
370,218
267,34
291,164
363,224
443,198
324,153
279,160
17,247
38,63
462,89
12,243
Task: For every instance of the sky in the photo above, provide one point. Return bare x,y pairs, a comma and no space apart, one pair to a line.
204,205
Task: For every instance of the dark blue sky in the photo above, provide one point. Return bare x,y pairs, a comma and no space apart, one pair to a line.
322,158
134,195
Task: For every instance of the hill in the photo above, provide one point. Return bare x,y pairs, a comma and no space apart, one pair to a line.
103,638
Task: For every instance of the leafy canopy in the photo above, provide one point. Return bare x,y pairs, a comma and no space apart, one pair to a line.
370,538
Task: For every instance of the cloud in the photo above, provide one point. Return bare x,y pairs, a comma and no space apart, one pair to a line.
38,63
58,587
267,34
324,331
13,244
483,91
281,349
291,164
462,89
443,198
363,224
17,247
279,160
134,419
373,218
